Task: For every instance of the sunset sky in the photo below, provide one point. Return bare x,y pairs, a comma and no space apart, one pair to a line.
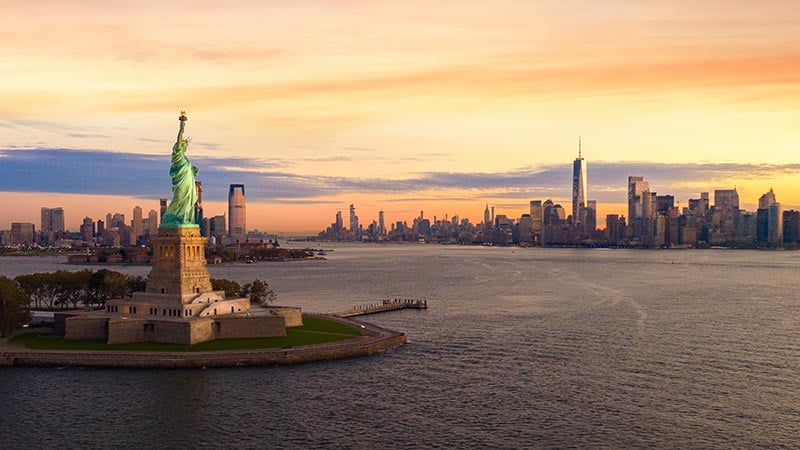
401,106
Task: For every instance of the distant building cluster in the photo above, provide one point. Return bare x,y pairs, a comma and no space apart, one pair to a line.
653,221
116,231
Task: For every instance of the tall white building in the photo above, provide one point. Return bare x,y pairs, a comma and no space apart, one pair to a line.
579,186
237,213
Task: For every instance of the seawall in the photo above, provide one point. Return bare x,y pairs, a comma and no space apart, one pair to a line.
374,340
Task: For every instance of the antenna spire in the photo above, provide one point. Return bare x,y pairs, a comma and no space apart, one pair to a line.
579,147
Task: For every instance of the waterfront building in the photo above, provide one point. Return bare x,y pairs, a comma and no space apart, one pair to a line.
615,228
726,198
636,215
338,223
762,225
767,200
87,230
700,205
23,233
152,222
579,187
52,220
537,220
525,229
791,227
775,224
237,213
52,225
216,228
665,203
115,221
381,224
137,225
554,223
353,221
746,228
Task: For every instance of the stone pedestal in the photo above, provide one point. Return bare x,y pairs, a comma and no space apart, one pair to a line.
179,263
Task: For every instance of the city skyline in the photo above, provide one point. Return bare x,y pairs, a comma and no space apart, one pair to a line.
316,105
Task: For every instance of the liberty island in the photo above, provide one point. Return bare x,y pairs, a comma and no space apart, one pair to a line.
180,307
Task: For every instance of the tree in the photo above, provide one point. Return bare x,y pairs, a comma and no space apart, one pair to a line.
259,292
232,289
136,284
73,287
41,287
14,306
107,284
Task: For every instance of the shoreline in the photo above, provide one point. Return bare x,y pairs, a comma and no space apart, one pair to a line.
373,340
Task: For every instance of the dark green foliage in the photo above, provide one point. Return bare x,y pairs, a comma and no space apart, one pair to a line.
232,289
63,289
107,284
136,284
14,306
259,292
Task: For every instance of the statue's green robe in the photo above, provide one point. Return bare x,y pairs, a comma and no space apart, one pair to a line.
184,193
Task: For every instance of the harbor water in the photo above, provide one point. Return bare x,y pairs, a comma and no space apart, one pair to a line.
519,348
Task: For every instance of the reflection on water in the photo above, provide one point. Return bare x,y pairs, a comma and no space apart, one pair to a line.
519,348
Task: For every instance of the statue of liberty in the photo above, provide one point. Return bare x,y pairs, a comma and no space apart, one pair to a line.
180,212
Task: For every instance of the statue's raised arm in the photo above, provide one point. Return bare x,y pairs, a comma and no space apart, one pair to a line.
180,212
183,120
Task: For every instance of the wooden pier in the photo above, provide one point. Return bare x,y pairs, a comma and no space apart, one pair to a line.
386,305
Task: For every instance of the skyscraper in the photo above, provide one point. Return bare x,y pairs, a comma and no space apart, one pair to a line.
579,186
237,212
163,206
775,227
636,187
537,220
381,224
52,220
767,200
339,224
23,233
87,229
353,219
137,225
216,227
726,198
152,222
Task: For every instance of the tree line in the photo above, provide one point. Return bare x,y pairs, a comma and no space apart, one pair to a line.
87,288
64,289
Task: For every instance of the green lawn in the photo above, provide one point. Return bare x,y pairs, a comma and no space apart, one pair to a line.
315,330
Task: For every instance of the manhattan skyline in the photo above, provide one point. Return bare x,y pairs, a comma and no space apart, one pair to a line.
317,105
